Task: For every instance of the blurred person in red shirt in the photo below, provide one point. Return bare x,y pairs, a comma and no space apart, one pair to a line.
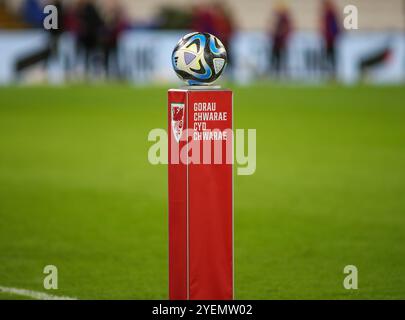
330,29
202,19
71,19
281,32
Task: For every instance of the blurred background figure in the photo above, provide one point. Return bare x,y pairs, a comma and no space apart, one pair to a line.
90,27
202,18
56,33
330,29
280,33
224,27
115,23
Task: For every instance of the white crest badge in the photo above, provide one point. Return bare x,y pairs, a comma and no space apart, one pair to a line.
177,119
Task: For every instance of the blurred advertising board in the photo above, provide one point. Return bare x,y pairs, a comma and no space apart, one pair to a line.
144,57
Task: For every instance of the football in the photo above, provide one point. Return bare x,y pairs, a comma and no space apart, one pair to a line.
199,58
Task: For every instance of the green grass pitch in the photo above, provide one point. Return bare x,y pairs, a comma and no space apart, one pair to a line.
77,191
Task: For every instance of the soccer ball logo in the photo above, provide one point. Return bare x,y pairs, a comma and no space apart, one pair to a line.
199,58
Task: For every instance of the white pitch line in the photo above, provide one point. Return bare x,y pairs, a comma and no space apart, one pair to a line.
33,294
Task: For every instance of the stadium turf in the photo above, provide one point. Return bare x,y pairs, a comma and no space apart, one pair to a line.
77,191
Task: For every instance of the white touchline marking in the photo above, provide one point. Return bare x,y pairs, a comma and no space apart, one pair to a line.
33,294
